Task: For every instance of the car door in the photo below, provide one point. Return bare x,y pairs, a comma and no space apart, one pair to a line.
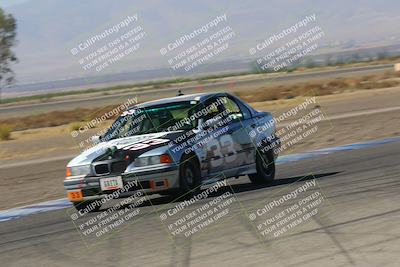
213,154
236,143
229,148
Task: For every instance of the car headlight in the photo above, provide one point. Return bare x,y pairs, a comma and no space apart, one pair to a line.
78,170
152,160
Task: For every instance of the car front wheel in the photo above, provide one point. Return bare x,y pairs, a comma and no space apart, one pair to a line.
189,178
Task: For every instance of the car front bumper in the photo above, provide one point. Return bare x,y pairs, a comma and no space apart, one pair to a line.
148,181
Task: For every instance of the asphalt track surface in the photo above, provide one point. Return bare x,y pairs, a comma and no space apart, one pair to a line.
357,224
151,94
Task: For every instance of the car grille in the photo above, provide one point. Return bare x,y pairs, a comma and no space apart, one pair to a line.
116,167
101,169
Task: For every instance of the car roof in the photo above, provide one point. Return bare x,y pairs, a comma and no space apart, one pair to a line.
198,97
191,97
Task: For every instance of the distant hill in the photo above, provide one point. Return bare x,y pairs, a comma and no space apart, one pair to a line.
48,29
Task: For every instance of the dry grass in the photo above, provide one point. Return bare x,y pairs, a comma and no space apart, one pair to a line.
326,87
56,118
5,131
74,126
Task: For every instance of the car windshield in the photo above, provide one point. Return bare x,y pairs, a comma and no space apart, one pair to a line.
153,119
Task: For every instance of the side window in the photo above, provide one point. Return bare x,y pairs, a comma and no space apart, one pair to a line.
232,109
245,111
212,107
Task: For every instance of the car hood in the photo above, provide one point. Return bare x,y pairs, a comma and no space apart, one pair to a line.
93,153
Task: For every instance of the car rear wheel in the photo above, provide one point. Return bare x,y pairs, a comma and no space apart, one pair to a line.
265,164
84,205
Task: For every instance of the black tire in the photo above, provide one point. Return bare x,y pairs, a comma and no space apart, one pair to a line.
265,164
84,204
189,178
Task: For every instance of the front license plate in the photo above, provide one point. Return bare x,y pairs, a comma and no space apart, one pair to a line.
111,183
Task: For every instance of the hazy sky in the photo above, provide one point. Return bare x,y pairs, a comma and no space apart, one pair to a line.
6,3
